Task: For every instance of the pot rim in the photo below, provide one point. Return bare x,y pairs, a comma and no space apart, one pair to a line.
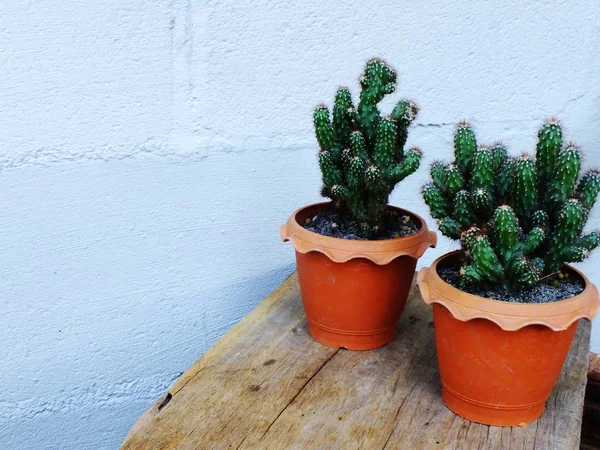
509,316
339,250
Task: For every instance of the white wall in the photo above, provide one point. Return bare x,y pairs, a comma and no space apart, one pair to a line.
150,150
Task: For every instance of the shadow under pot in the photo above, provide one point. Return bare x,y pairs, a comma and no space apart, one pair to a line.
354,291
499,361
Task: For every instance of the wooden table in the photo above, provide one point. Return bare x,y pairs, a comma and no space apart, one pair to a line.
268,385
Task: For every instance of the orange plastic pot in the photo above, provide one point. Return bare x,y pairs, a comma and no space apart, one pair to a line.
353,291
498,361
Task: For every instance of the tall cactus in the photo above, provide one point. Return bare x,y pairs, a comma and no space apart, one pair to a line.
362,155
549,144
518,219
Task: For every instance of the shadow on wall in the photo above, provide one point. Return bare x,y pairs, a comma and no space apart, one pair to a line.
240,298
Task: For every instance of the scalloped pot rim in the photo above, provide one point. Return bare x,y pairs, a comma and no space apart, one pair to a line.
380,252
509,316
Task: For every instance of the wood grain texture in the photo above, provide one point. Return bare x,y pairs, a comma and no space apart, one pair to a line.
268,385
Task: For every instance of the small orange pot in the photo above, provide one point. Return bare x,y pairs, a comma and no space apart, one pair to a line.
354,291
499,361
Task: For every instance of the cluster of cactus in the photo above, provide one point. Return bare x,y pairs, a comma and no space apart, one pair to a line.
362,155
519,220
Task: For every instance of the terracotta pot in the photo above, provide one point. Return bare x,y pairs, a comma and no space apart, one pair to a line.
354,291
499,361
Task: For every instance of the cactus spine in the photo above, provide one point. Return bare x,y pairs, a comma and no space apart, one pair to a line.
362,155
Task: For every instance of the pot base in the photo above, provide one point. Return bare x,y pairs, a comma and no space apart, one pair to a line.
493,415
354,341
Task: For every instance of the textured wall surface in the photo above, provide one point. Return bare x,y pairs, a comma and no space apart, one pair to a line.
151,149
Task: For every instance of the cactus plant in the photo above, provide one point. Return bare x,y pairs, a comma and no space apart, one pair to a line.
518,219
362,155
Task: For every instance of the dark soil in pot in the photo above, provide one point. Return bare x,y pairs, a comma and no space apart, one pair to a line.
337,224
552,289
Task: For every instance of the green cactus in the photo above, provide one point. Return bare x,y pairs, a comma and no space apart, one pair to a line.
355,173
378,80
384,151
541,220
505,175
450,227
358,146
410,164
569,225
549,144
437,203
437,173
518,219
588,188
404,114
500,155
505,231
533,240
525,188
362,155
344,116
464,147
453,179
485,263
467,238
482,175
481,199
462,208
564,177
324,129
589,241
331,173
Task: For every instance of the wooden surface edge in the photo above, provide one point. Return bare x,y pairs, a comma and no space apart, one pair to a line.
261,308
194,369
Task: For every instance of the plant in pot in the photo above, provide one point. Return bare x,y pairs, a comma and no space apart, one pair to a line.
356,255
506,306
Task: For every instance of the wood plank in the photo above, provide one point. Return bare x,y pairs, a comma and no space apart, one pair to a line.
268,385
238,388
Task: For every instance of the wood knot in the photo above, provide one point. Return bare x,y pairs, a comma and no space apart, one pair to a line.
165,401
